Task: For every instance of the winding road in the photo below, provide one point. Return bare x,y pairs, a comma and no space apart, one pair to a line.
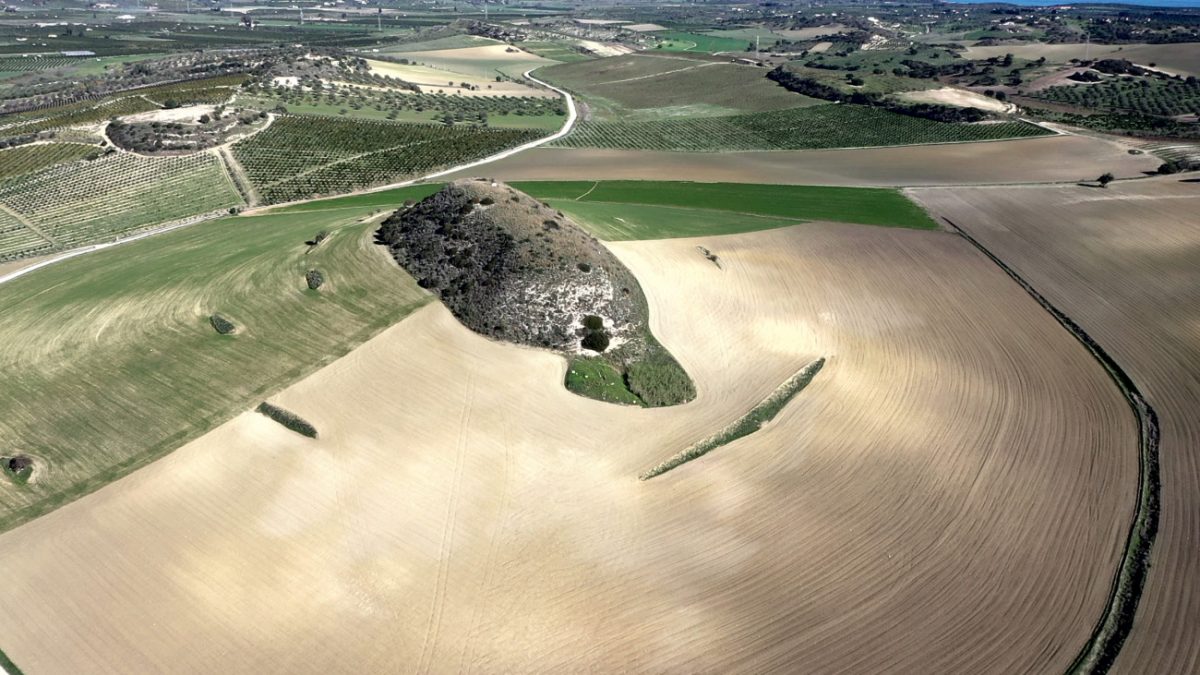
572,116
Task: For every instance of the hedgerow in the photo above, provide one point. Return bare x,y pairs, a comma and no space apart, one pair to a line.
746,424
287,419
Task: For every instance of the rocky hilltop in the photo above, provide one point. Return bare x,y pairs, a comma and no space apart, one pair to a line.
514,269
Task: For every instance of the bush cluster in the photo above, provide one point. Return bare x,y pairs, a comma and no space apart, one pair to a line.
222,325
287,419
314,279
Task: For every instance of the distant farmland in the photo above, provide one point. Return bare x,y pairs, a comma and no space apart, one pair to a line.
824,126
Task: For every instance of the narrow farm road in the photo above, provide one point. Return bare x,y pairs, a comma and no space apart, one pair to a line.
572,116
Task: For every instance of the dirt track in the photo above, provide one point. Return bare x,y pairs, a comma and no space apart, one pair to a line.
1122,263
948,491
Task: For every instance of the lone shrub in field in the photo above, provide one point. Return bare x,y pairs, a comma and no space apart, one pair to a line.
314,279
287,419
222,325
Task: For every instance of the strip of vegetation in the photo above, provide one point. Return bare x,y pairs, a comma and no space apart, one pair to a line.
288,419
746,424
8,666
1100,652
595,377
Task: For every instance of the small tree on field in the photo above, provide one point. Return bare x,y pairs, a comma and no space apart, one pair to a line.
1105,179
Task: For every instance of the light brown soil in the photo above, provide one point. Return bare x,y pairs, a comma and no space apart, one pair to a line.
947,495
1124,262
1049,159
956,97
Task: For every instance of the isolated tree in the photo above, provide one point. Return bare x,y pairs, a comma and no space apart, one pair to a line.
1105,179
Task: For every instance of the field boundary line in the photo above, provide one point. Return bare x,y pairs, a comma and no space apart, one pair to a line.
702,64
237,175
595,184
1112,628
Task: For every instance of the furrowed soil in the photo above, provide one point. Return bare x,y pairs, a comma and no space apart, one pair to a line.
950,493
1047,159
1122,263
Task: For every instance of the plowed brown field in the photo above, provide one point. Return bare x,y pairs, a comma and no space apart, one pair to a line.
1123,263
1044,160
949,494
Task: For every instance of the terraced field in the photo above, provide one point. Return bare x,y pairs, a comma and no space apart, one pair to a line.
823,126
90,202
300,157
985,525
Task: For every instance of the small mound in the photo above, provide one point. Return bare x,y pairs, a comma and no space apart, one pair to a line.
514,269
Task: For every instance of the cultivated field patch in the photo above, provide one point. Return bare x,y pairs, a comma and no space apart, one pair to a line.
111,361
1008,458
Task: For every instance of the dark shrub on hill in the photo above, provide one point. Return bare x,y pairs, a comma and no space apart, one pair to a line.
314,279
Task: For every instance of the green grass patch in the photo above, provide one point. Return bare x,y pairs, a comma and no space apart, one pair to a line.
110,361
773,204
677,41
745,425
631,222
393,198
596,378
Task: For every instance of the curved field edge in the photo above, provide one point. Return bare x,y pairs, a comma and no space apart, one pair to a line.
181,378
745,425
1114,626
888,207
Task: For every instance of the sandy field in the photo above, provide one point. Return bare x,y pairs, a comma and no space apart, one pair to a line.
957,97
1046,159
1123,263
479,61
949,494
434,80
820,47
644,27
188,113
1183,58
605,49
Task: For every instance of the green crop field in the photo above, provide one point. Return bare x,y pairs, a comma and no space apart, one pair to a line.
822,126
619,209
89,202
110,360
697,42
300,157
29,158
639,86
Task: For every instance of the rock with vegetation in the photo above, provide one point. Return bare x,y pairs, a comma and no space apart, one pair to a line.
514,269
314,279
222,325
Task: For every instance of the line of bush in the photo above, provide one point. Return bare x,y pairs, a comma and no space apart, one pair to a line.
287,419
746,424
1110,631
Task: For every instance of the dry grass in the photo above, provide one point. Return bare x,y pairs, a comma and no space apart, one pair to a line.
948,495
1047,159
1123,263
